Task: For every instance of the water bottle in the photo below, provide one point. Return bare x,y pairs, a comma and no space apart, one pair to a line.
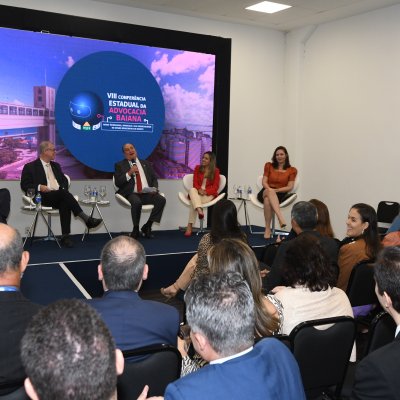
249,192
93,196
38,200
240,192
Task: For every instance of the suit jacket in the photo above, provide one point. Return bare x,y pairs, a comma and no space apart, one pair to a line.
275,278
134,322
269,371
16,311
211,186
377,375
33,175
125,188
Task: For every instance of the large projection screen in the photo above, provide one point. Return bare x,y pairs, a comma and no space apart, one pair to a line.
91,85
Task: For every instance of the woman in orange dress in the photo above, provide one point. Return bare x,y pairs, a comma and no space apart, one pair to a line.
278,182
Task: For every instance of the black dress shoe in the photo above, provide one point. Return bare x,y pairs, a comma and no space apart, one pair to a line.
93,222
135,234
66,241
147,232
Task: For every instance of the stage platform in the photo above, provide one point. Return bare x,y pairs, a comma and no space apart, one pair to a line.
55,273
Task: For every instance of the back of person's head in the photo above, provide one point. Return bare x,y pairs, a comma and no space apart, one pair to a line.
220,306
10,249
224,221
305,214
324,226
68,354
387,274
370,234
306,263
236,256
122,261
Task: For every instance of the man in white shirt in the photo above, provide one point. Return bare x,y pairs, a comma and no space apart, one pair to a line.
377,375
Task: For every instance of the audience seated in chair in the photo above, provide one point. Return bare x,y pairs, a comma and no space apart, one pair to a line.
132,321
69,354
311,292
220,313
304,221
377,374
16,311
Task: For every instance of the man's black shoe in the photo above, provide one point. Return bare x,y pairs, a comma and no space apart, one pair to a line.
66,241
135,234
93,222
146,229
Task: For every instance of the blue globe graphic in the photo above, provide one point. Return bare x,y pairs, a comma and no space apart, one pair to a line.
86,107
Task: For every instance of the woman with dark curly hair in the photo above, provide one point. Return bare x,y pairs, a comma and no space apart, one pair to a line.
362,242
311,293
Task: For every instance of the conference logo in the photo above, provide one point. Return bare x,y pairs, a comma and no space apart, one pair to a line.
105,100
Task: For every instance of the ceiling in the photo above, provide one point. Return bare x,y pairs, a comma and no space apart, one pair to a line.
302,13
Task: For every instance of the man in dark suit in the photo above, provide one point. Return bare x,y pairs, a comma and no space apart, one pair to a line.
304,221
132,321
138,183
220,313
15,310
377,375
46,176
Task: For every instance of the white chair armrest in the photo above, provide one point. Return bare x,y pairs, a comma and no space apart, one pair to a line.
254,200
183,197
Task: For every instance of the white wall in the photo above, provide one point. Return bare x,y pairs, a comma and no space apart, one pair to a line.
347,115
256,113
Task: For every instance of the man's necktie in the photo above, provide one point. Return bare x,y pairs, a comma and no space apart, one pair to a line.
139,186
51,178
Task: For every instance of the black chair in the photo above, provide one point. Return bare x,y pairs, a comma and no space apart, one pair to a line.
381,331
323,354
361,286
17,391
386,213
161,366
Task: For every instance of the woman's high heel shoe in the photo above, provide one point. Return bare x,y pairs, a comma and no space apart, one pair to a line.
200,213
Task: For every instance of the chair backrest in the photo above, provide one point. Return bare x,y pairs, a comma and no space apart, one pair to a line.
381,331
188,182
161,367
387,211
323,354
361,286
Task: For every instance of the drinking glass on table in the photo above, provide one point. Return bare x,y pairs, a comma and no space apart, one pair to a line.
31,194
86,191
103,192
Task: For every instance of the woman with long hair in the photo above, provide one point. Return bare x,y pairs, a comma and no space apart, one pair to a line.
235,255
224,225
361,243
205,188
278,182
324,226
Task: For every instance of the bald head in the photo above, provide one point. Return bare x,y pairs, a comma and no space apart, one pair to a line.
10,249
123,261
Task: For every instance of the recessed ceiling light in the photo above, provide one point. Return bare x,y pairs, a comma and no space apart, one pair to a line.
268,7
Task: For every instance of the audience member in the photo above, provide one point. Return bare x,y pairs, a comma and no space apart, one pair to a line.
324,226
132,321
220,312
278,182
137,182
304,220
15,310
236,256
376,375
69,354
5,202
224,225
205,188
311,292
44,175
362,241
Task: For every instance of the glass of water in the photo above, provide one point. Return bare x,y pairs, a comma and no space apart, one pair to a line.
86,191
103,192
31,194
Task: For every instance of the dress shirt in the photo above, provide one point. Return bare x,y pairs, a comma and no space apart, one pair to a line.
222,360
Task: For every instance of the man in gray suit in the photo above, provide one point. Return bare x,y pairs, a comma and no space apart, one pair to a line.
138,183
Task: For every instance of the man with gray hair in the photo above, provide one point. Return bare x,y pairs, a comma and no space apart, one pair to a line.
132,321
16,311
220,313
304,219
